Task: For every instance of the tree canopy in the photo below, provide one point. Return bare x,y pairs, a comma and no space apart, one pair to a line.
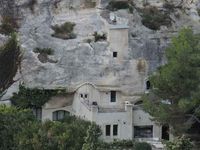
10,58
175,96
19,130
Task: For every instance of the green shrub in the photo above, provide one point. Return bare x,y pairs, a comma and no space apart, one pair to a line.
47,51
180,143
13,121
91,140
99,37
29,98
116,144
20,130
152,18
142,146
9,25
116,5
10,59
64,31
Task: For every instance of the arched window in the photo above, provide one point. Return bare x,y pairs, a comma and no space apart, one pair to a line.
37,112
59,115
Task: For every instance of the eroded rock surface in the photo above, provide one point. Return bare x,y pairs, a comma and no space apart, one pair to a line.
78,61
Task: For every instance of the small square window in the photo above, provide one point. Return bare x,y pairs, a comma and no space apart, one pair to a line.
86,95
115,54
81,95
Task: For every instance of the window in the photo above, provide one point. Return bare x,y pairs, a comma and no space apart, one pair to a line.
148,85
113,96
84,96
59,115
108,130
37,112
114,54
143,131
115,130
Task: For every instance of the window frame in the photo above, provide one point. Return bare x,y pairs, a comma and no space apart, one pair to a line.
138,133
115,130
37,112
113,96
115,54
108,130
56,117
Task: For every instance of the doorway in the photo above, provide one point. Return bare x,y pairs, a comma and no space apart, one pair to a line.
165,132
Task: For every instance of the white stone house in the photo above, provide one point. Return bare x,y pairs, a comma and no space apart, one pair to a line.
117,118
115,111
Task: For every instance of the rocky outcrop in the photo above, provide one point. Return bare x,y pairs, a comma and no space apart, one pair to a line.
78,60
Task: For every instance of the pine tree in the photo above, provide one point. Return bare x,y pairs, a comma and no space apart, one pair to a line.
175,96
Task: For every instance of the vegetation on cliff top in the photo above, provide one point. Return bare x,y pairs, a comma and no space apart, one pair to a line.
64,31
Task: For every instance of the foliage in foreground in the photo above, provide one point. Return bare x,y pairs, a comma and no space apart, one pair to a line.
180,143
116,144
124,144
91,140
19,130
142,146
13,121
175,96
10,58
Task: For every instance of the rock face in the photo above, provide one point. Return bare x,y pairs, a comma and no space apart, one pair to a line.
79,61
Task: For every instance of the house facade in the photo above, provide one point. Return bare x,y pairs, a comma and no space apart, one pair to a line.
118,118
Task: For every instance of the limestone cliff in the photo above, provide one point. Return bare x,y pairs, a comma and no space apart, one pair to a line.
76,60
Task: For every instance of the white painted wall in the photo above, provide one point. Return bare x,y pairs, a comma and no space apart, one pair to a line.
126,118
122,119
105,100
141,118
118,39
